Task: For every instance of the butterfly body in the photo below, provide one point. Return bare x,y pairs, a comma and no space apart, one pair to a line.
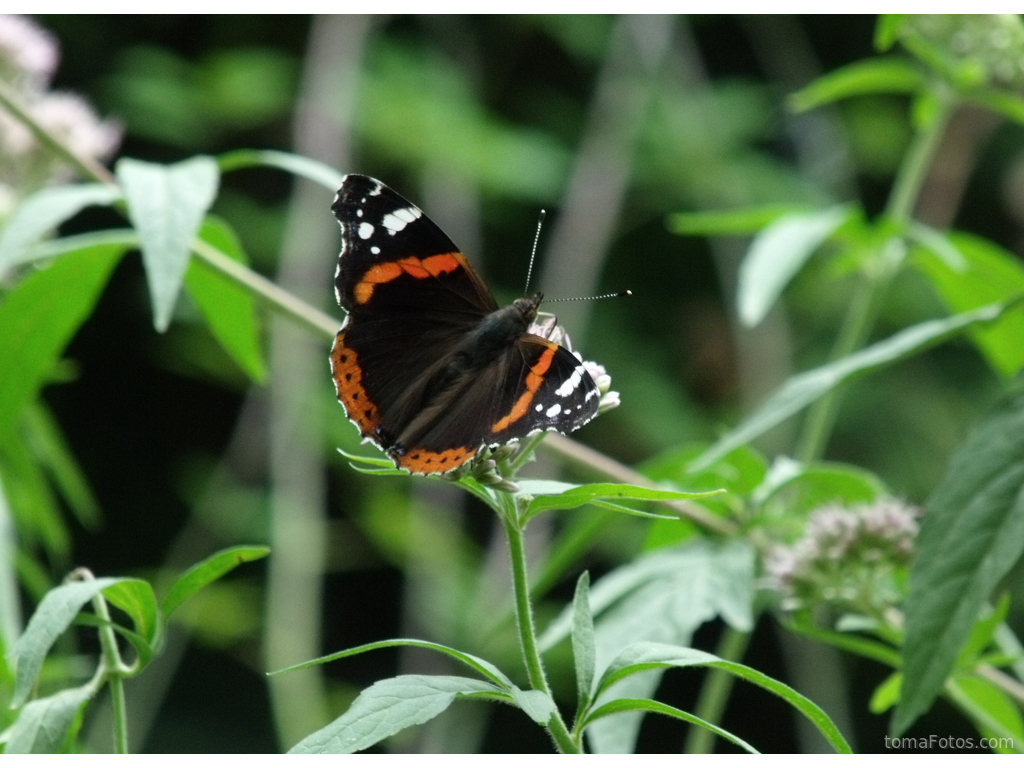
427,365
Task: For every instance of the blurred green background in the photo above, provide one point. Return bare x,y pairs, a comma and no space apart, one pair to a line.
611,123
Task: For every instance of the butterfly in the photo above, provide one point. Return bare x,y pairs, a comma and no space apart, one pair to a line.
426,364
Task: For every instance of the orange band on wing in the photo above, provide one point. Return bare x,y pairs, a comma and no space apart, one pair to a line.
432,266
533,381
428,463
348,381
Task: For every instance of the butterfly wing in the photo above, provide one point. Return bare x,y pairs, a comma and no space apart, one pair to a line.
536,386
410,296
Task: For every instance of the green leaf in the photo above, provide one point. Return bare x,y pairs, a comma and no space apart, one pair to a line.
136,598
862,646
971,536
886,694
983,632
166,204
483,667
887,31
584,648
942,247
667,592
538,705
549,494
392,705
649,705
206,572
796,488
804,388
41,212
52,451
44,725
777,254
862,78
314,170
53,615
36,509
638,657
39,316
990,709
738,221
229,309
992,274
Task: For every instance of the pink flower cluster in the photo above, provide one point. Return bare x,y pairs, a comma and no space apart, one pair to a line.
846,557
28,59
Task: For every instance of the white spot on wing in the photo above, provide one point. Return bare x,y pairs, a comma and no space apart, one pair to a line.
539,408
553,411
570,384
397,220
366,230
374,250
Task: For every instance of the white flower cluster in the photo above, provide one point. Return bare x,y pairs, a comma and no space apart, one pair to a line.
847,557
28,59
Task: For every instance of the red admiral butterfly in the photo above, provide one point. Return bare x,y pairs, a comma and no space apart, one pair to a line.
426,364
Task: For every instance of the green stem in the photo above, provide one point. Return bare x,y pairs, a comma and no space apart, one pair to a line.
86,166
114,669
863,310
714,694
527,631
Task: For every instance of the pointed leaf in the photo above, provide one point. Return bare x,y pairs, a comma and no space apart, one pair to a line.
389,706
166,204
665,592
229,309
739,221
862,78
649,705
39,316
777,254
43,725
53,615
971,536
804,388
887,31
481,666
583,645
306,167
135,597
549,494
207,572
991,274
538,705
886,694
991,711
42,212
48,445
642,656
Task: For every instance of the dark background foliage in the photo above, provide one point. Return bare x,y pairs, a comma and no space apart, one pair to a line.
151,417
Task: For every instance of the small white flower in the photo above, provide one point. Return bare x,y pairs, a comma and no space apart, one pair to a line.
27,52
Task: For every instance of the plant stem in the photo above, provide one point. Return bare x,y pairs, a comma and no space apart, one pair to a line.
86,166
714,694
266,289
114,671
863,310
527,632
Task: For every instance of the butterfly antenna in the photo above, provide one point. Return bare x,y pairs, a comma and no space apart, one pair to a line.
533,253
620,294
